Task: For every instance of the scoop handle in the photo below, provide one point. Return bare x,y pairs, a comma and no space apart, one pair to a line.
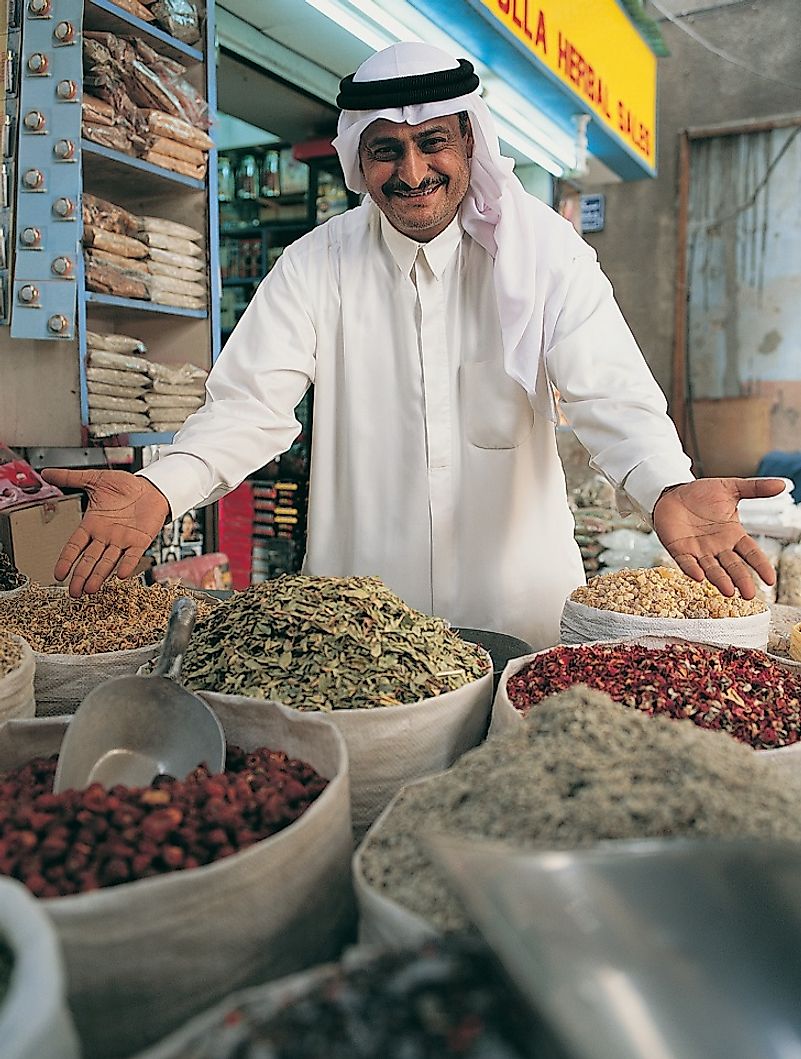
176,639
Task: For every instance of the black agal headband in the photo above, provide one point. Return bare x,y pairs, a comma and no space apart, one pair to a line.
407,91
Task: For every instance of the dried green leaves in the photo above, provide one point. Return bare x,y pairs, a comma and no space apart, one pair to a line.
327,643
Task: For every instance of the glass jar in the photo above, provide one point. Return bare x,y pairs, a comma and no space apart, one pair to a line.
270,174
226,183
247,178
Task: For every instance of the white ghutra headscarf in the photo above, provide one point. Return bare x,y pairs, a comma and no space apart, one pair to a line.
497,211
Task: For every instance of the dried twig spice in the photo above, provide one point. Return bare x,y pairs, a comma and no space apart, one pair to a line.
661,592
6,967
10,577
122,615
328,643
734,690
81,840
448,998
580,769
10,654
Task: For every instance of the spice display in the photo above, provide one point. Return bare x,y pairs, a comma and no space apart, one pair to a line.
448,998
121,616
328,643
734,690
81,840
10,577
661,592
10,654
580,769
782,621
6,967
124,255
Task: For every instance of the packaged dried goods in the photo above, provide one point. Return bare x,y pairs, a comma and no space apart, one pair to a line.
133,7
128,363
96,111
193,156
158,400
736,690
171,285
170,228
105,417
114,343
116,138
449,997
268,906
176,374
580,769
116,377
113,242
186,389
195,170
661,601
167,257
17,669
109,390
165,270
161,124
107,215
95,256
180,18
167,297
118,404
167,241
107,430
167,426
105,279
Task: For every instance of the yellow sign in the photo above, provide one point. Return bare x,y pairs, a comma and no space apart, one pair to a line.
593,49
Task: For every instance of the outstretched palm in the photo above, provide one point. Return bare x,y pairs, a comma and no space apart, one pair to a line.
698,524
124,515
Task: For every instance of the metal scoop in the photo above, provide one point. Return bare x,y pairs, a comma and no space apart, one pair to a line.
131,729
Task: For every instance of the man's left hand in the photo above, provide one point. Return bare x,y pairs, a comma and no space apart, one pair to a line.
697,522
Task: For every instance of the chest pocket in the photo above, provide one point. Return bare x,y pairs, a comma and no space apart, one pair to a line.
496,411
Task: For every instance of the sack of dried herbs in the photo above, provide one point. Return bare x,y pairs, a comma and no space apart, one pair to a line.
34,1018
579,769
144,956
407,693
661,601
79,643
17,670
12,582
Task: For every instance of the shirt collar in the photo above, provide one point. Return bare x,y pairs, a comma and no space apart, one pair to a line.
437,251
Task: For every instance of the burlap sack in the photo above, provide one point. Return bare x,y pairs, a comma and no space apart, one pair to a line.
582,624
63,681
389,746
16,688
143,957
34,1020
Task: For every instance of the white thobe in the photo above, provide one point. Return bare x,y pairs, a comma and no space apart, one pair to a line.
429,467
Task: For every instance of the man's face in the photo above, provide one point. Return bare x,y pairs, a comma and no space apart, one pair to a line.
417,175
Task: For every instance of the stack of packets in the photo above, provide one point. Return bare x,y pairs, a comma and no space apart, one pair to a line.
139,102
142,257
130,393
180,18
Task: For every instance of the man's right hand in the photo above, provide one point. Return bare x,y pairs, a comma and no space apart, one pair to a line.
125,513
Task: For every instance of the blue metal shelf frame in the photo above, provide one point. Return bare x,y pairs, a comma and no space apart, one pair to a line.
143,305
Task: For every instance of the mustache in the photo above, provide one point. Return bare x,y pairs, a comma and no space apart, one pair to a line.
400,185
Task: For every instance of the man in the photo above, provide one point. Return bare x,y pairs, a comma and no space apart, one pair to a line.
435,321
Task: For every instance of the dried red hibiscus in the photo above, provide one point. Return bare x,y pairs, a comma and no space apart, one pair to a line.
81,840
732,690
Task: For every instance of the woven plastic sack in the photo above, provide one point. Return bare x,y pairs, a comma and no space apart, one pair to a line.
392,745
63,681
34,1020
583,624
16,688
144,957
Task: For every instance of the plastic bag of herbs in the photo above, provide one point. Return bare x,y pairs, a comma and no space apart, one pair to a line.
407,693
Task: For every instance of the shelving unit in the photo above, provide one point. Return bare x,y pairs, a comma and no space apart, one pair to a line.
55,414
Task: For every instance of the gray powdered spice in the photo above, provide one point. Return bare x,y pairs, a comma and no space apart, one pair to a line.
582,768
